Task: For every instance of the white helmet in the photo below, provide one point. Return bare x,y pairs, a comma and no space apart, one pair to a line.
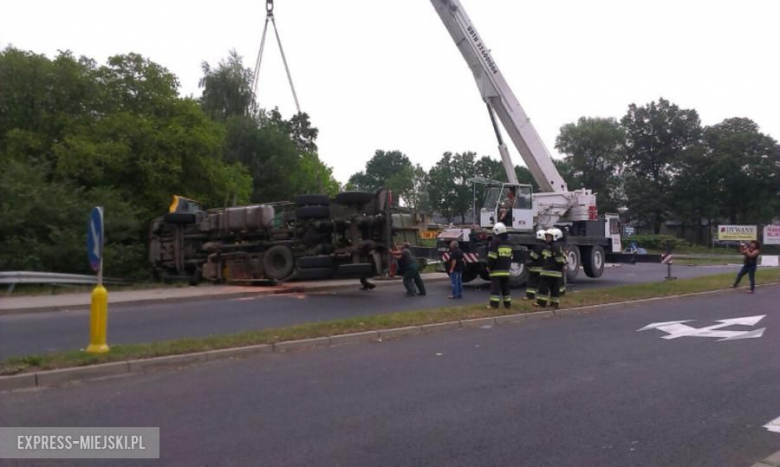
540,234
499,228
556,234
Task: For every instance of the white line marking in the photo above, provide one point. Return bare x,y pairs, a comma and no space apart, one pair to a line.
774,425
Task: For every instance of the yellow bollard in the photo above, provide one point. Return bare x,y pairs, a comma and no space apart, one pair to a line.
98,320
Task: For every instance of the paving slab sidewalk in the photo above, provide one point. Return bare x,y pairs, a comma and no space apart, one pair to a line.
81,300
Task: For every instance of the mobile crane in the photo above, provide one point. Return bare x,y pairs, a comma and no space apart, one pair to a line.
589,239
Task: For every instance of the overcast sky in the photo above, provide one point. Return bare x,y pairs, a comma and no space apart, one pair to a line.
386,75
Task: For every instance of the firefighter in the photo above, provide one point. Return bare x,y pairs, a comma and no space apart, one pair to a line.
498,263
535,266
551,277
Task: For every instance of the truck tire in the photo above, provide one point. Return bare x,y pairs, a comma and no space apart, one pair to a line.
179,218
354,197
593,261
313,274
315,262
518,274
484,275
355,270
312,212
469,274
312,200
278,262
573,262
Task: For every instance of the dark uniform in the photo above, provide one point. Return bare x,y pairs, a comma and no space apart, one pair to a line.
551,277
499,262
534,269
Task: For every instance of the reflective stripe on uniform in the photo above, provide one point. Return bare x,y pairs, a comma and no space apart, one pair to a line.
534,255
492,254
505,251
507,299
530,290
499,274
552,273
494,298
535,269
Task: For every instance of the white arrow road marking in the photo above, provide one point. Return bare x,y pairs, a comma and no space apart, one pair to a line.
658,325
747,335
676,329
774,425
96,248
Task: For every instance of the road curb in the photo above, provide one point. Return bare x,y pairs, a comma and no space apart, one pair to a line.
66,375
292,289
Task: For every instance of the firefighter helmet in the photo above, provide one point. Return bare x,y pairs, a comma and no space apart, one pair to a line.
540,234
499,228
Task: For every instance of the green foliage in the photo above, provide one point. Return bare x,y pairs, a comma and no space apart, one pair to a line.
657,242
594,149
75,135
657,136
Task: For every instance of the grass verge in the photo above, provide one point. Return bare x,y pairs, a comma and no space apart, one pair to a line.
367,323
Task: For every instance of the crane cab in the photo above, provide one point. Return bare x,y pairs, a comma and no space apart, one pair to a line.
496,207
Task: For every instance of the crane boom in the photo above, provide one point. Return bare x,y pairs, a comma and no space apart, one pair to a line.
500,99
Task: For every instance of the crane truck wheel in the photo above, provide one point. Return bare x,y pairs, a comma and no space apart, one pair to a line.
354,197
593,261
312,200
278,262
312,212
518,274
573,262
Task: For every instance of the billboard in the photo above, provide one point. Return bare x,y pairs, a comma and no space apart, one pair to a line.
737,232
772,235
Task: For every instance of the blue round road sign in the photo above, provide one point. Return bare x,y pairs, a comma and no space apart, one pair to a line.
95,238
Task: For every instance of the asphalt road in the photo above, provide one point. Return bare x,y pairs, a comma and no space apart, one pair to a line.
26,334
586,390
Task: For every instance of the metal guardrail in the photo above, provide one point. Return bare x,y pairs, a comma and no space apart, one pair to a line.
12,278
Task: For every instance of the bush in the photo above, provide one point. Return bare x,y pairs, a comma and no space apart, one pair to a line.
656,242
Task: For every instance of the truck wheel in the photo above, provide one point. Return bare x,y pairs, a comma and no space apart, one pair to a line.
484,275
312,200
354,197
278,262
179,218
593,261
469,274
312,212
355,270
573,262
518,274
314,262
314,274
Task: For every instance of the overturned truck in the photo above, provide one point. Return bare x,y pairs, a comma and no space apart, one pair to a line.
352,235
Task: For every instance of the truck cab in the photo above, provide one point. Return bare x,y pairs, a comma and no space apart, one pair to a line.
521,215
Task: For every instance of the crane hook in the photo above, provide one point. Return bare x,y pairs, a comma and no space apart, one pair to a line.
269,6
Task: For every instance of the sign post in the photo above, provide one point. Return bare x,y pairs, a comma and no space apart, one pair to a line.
98,310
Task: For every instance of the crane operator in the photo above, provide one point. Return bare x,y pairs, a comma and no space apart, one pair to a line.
505,210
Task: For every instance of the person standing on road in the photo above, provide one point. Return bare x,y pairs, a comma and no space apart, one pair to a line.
750,264
535,266
455,270
498,263
411,273
551,276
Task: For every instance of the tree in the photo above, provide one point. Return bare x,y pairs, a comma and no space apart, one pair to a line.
74,135
227,90
594,151
449,191
387,169
741,163
657,135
